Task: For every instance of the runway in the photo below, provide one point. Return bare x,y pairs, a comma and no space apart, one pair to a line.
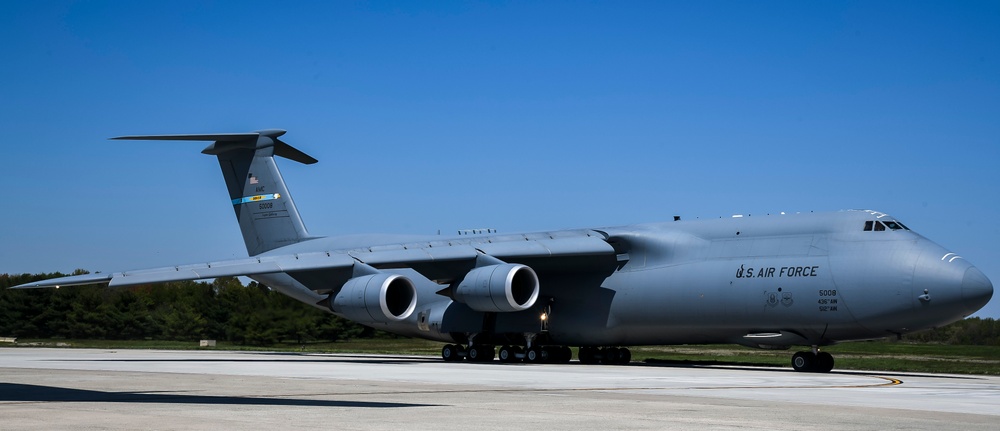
45,389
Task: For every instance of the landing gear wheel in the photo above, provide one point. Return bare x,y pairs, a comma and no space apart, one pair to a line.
557,354
612,355
534,355
824,362
450,353
625,356
481,353
508,354
804,361
552,354
608,355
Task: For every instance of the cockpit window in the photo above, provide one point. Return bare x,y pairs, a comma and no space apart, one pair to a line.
893,225
879,226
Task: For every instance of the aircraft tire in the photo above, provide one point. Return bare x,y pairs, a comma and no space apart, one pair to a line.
547,354
481,353
533,355
610,356
824,362
450,353
625,356
507,354
804,361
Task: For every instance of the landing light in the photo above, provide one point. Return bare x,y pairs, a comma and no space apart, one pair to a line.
545,317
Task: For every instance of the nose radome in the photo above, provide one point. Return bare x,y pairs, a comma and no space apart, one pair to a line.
976,289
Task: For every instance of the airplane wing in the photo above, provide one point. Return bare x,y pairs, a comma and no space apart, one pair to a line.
200,271
579,251
320,270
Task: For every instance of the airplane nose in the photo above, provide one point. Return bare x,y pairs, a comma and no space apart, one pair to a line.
976,289
946,285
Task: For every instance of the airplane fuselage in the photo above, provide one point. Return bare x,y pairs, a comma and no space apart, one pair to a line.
764,281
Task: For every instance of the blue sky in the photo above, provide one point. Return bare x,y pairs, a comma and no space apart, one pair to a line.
509,115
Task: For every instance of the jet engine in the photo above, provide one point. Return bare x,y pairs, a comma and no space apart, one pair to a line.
378,298
498,288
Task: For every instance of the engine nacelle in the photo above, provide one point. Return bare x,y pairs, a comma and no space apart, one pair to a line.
378,298
498,288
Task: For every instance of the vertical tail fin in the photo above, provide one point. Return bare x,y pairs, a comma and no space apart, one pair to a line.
264,208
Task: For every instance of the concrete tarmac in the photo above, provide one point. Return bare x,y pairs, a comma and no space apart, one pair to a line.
49,389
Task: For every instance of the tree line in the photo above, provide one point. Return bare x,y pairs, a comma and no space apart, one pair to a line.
973,331
224,309
227,310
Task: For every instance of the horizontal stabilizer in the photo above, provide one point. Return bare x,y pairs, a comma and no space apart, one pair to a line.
221,137
224,142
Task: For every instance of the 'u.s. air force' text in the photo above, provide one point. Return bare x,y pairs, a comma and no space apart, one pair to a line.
784,271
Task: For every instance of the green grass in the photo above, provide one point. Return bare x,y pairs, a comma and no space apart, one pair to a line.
872,355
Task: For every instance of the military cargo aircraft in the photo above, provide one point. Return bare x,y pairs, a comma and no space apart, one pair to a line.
773,282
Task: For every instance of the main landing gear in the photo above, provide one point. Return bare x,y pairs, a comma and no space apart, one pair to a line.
474,353
507,354
813,362
535,354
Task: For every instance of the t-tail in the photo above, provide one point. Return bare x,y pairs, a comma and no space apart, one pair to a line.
264,208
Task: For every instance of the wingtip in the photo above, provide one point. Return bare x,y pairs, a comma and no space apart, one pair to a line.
271,133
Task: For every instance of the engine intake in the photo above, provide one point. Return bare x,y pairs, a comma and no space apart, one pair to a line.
498,288
378,298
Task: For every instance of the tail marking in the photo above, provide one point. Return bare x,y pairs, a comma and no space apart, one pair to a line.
265,210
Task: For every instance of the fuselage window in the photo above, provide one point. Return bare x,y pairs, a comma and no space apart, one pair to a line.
879,226
868,225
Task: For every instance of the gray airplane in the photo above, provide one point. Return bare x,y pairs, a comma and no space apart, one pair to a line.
768,282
